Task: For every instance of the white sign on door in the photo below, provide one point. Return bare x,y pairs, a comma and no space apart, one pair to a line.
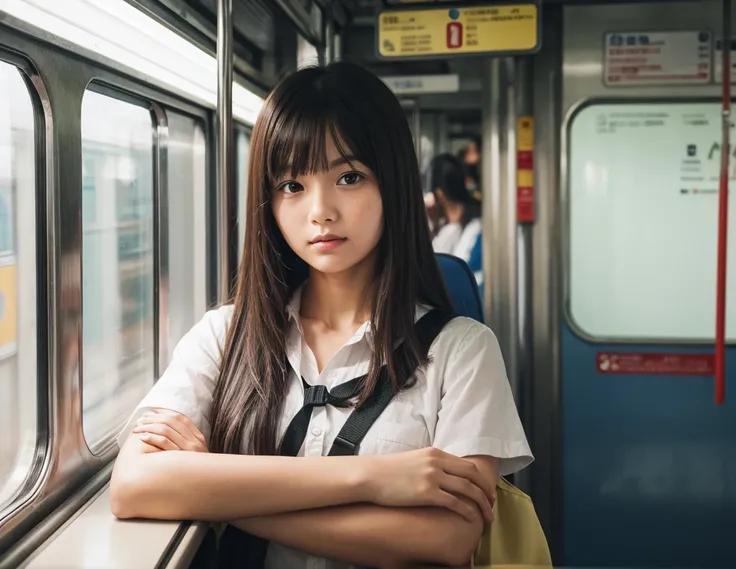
659,58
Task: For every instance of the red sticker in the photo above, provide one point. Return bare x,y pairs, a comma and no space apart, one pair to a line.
525,160
524,204
627,363
454,35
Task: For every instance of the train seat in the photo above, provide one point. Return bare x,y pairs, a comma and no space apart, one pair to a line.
461,286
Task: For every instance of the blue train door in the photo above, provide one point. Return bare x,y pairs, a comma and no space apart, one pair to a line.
649,459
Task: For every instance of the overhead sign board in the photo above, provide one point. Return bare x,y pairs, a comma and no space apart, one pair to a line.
657,58
453,31
422,84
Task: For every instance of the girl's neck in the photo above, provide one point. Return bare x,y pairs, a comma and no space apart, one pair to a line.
339,300
453,212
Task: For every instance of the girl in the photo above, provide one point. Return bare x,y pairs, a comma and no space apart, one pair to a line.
459,211
338,267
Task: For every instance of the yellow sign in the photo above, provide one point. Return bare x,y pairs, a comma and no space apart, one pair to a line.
458,31
525,134
8,306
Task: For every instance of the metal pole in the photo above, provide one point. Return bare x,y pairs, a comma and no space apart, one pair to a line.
524,278
224,121
329,42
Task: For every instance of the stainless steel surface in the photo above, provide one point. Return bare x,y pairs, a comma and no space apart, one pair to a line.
224,143
23,358
583,85
161,239
302,19
35,542
544,431
524,275
329,42
140,543
64,463
499,209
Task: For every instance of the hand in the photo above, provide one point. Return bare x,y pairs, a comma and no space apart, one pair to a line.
429,477
168,430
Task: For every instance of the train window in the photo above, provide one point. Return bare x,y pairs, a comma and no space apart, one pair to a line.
186,279
643,180
242,149
120,31
18,403
117,263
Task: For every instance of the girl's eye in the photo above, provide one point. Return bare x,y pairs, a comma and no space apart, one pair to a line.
291,187
350,178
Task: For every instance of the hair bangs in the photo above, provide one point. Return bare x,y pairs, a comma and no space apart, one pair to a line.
298,142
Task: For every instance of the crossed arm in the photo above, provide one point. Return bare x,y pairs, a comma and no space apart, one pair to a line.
376,536
360,532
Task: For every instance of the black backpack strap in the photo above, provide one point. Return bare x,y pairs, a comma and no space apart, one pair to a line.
315,396
361,420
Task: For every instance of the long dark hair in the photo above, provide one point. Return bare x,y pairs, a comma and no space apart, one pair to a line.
447,174
290,135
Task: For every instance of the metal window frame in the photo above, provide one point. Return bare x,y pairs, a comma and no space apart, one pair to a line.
566,216
60,74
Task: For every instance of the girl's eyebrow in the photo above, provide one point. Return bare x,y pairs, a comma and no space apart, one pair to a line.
343,160
335,163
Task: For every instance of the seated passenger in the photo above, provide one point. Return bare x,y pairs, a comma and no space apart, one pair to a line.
458,212
471,159
337,283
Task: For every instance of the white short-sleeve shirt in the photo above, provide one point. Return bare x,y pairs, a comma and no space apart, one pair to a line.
461,403
457,240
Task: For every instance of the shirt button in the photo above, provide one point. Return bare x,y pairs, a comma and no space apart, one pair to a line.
316,431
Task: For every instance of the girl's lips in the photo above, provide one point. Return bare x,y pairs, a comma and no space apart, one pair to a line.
329,244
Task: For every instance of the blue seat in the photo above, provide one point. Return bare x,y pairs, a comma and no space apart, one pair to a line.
461,286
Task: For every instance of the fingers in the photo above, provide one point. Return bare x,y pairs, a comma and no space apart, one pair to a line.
158,441
462,486
165,431
175,426
455,504
185,422
466,469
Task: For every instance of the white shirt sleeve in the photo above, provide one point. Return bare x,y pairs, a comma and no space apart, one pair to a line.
477,413
447,238
467,240
188,383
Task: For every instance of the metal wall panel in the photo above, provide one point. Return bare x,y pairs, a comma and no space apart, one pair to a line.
649,461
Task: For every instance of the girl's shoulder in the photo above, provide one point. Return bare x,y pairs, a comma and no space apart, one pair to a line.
463,341
210,331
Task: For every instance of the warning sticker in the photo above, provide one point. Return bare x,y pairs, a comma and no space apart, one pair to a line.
661,58
627,363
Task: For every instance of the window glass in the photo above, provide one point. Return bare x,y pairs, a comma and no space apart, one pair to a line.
184,291
18,404
643,191
242,147
117,263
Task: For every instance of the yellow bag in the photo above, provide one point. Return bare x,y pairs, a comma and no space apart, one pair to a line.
516,537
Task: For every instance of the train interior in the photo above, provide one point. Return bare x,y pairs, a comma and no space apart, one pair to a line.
594,144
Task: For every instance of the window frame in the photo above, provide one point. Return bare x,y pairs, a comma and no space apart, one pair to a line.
565,204
42,117
53,489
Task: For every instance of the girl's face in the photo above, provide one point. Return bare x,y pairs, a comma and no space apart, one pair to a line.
333,220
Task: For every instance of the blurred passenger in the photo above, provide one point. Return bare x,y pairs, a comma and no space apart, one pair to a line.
472,163
457,218
336,305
